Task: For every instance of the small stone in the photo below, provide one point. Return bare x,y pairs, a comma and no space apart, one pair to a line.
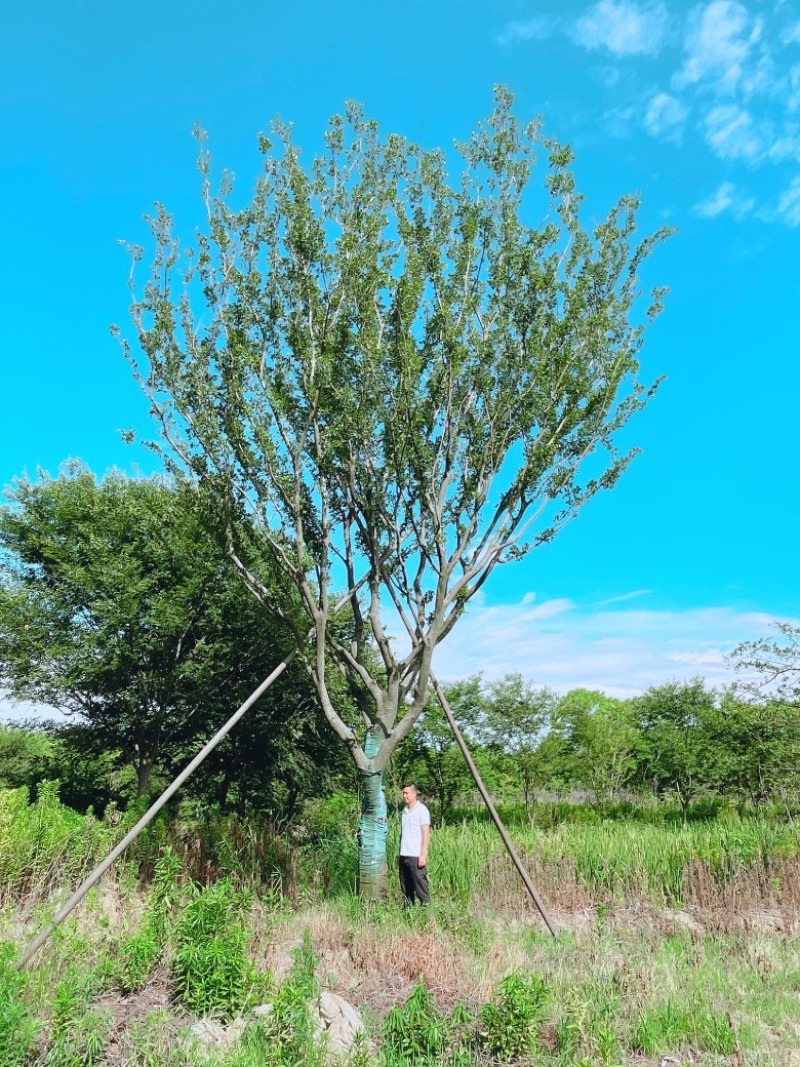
337,1022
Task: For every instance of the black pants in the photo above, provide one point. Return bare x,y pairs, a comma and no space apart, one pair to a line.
413,880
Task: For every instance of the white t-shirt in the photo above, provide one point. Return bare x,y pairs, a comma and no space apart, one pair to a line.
412,821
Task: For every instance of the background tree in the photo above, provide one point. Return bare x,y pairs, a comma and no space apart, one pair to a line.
431,756
401,380
675,754
600,738
514,719
117,606
755,748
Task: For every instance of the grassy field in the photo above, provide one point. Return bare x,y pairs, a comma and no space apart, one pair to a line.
675,946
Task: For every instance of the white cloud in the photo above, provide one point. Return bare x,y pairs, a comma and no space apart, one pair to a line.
709,657
622,27
619,121
634,595
793,101
791,35
786,146
726,198
535,29
732,134
718,43
620,651
665,117
789,204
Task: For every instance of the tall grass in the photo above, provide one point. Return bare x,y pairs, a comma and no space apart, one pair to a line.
45,845
615,861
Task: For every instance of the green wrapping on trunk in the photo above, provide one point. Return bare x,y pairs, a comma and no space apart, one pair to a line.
372,873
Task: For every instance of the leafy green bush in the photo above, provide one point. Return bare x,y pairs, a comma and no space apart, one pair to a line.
509,1023
286,1035
418,1032
213,975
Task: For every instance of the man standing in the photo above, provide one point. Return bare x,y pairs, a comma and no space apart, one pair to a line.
414,838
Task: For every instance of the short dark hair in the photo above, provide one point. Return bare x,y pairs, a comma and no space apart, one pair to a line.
410,785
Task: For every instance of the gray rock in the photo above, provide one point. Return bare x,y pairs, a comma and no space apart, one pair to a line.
208,1034
336,1022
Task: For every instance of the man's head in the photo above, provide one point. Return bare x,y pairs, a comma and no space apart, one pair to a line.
410,794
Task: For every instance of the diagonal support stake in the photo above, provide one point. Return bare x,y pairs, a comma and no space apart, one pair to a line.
92,879
490,805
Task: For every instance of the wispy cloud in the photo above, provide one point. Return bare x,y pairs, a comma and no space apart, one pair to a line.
719,42
535,29
622,28
789,204
732,133
621,652
728,72
726,199
634,595
665,117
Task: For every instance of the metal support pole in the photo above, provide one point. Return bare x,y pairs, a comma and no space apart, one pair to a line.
490,805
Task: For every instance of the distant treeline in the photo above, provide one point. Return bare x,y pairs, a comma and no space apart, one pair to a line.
680,742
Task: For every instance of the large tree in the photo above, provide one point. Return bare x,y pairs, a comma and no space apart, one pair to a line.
404,382
119,607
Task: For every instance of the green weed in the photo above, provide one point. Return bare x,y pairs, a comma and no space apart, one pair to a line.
417,1033
212,973
139,953
77,1032
509,1023
17,1028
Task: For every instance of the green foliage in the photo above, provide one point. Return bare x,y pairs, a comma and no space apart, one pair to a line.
416,1033
286,1032
600,737
510,1022
139,953
674,738
26,757
17,1028
118,604
45,843
211,969
676,1025
586,1029
78,1033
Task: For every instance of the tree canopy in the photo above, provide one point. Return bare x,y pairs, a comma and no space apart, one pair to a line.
400,378
403,383
119,607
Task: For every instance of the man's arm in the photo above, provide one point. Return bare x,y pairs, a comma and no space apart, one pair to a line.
426,836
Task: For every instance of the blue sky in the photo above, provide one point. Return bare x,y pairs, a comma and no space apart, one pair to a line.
697,106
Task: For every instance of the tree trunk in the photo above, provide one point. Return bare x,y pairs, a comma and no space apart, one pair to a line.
143,770
372,869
